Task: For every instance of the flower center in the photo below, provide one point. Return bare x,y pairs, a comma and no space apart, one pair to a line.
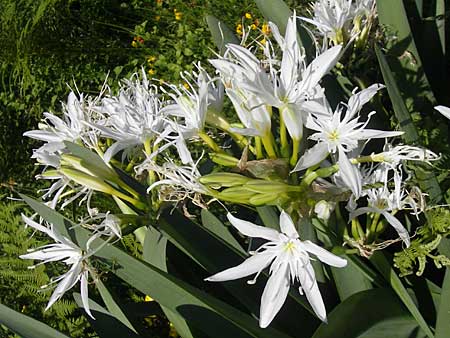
333,136
289,246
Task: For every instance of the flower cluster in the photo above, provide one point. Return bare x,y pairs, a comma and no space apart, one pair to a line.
259,131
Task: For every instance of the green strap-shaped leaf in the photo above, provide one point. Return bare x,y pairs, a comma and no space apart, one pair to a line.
373,313
427,180
25,326
105,324
113,308
349,280
213,316
221,33
443,315
385,268
213,224
154,252
269,216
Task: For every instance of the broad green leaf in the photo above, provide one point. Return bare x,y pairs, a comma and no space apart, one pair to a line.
221,33
392,14
154,252
373,313
443,315
349,280
25,326
113,308
213,224
269,216
105,323
385,268
440,23
213,316
427,180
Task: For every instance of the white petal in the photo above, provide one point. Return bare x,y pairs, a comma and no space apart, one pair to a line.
69,280
320,66
274,295
312,292
287,226
293,120
402,232
312,156
441,109
248,267
252,230
324,255
373,133
84,293
359,99
350,174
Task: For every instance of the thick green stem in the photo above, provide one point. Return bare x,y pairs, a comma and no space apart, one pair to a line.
258,145
283,138
210,142
295,150
268,146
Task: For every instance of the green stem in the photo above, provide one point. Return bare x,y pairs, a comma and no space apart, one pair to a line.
268,146
283,138
210,142
295,150
258,145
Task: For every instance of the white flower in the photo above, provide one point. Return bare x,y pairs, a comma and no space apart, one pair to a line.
340,134
132,118
68,253
323,209
285,85
289,262
396,154
193,100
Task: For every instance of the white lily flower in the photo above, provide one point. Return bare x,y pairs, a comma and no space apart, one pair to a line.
132,118
193,100
289,262
286,86
443,110
395,154
67,252
176,182
340,134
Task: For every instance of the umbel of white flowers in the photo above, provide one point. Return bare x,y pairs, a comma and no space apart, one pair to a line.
289,262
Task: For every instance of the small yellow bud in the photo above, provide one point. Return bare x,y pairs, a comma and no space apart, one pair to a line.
265,29
134,44
248,16
253,26
151,71
148,299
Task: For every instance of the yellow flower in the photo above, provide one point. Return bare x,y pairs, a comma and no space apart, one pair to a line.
185,85
265,29
151,71
134,44
151,59
178,16
239,29
158,17
148,299
253,26
263,41
248,16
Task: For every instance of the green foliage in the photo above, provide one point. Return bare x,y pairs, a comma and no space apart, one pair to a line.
21,286
425,244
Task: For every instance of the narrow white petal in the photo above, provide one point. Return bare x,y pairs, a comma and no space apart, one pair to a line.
274,295
312,292
293,120
443,110
373,133
320,66
251,230
324,255
350,174
287,226
312,156
402,232
359,99
249,267
84,293
70,278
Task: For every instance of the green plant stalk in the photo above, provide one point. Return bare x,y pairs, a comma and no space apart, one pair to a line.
268,146
295,149
210,142
283,138
258,145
